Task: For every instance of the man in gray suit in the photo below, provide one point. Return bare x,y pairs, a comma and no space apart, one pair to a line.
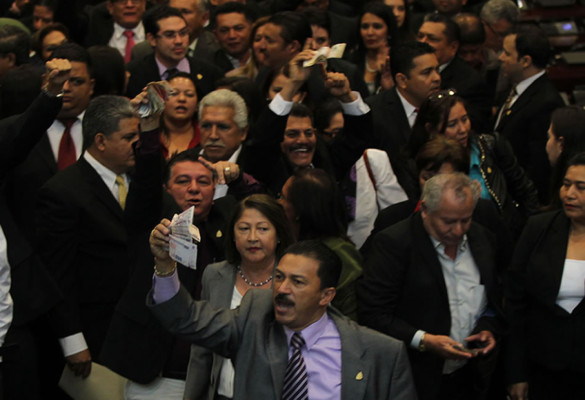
341,360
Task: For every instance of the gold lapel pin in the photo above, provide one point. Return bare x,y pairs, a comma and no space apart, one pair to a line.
359,376
218,234
508,112
199,76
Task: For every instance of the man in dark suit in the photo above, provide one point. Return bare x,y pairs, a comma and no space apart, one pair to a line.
444,36
118,24
167,33
431,282
81,229
232,26
415,71
60,146
32,291
524,118
202,42
340,360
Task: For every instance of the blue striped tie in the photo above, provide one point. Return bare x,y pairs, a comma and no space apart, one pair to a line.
296,381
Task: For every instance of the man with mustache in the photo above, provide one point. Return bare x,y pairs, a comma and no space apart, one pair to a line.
299,146
168,34
288,340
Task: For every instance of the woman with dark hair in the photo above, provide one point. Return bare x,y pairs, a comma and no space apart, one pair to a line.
492,161
376,32
257,235
544,298
47,39
401,12
566,137
180,130
316,210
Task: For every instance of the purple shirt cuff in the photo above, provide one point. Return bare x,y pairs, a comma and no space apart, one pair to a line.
164,289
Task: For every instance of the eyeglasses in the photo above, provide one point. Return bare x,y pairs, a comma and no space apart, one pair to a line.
172,34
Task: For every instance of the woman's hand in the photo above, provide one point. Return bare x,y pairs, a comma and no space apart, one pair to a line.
159,246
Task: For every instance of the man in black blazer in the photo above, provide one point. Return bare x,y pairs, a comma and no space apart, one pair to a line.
43,161
524,118
32,290
443,35
430,281
415,71
82,237
167,32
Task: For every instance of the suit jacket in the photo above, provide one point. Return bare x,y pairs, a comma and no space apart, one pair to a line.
404,290
137,346
83,243
471,86
101,26
33,291
374,366
221,61
526,125
392,133
542,332
204,366
145,70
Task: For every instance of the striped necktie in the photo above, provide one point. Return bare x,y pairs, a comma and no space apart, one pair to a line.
296,380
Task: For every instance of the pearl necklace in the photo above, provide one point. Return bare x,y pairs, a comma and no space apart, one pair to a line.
369,69
250,283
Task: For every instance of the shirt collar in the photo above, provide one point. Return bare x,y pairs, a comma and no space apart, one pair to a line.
311,333
523,85
107,175
182,66
138,29
408,108
440,247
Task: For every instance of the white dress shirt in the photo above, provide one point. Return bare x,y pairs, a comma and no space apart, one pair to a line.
5,298
55,133
118,40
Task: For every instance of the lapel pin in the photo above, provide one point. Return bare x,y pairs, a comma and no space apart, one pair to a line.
218,234
359,376
489,170
508,112
199,76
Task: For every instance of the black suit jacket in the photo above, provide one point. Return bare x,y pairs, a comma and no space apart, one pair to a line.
101,26
471,86
33,291
542,332
526,125
392,133
145,71
403,290
84,244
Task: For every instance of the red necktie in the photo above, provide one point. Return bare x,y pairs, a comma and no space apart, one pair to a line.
67,155
129,44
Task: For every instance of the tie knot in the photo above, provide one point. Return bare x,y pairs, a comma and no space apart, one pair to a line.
120,180
68,122
297,340
129,34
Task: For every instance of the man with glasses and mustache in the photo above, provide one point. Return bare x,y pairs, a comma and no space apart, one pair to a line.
168,34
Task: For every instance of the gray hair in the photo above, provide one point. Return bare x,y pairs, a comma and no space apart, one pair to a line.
227,98
435,187
495,10
103,115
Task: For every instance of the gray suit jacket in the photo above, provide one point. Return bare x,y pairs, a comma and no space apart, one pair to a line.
374,366
218,284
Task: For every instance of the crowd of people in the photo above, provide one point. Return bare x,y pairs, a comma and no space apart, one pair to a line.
406,221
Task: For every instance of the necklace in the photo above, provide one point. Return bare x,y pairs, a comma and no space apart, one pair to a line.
369,69
250,283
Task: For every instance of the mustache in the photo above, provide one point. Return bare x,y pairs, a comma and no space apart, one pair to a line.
283,299
301,146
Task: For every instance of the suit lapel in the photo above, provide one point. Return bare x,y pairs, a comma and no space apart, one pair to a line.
355,372
401,120
45,154
429,255
522,101
99,188
277,350
557,243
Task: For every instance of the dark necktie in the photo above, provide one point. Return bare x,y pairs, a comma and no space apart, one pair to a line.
129,44
66,155
296,380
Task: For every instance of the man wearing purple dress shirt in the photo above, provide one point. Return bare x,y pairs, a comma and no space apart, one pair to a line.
343,360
